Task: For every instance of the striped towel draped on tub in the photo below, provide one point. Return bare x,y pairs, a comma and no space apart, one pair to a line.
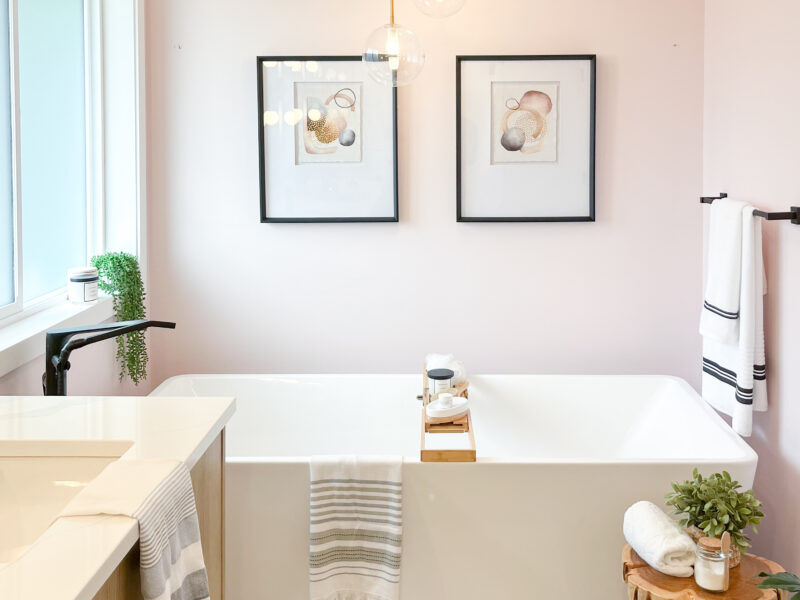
158,494
356,528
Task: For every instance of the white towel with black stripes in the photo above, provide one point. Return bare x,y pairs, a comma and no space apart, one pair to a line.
720,316
732,321
159,495
356,527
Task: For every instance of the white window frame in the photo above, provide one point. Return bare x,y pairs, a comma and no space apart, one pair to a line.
95,143
16,305
94,243
22,323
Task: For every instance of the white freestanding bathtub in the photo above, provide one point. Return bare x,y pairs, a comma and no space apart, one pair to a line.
539,515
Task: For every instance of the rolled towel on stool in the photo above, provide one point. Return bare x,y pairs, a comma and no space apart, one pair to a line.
659,540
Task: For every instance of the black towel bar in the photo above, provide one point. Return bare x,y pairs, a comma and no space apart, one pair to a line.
793,215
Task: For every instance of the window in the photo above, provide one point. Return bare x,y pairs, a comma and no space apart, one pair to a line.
69,142
7,212
53,142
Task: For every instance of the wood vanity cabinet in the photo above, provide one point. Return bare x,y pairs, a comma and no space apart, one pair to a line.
208,480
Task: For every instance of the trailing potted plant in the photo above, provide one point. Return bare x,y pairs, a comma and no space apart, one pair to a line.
710,506
781,581
120,277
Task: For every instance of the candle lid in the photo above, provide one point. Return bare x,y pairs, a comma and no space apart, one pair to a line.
441,374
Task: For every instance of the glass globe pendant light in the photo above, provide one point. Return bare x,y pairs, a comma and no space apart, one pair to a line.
440,8
393,54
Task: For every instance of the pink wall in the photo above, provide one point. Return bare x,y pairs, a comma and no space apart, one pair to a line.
93,373
616,296
751,150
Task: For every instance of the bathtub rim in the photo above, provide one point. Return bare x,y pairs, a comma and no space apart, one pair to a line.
747,453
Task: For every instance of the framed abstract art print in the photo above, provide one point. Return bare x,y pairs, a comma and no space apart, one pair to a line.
525,138
327,141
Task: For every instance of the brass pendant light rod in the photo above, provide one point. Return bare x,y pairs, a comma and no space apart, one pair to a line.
391,12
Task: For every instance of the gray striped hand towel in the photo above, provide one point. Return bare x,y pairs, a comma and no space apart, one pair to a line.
356,528
158,494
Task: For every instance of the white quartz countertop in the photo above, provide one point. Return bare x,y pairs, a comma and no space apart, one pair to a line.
74,557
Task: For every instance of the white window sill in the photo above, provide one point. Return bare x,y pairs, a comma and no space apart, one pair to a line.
23,341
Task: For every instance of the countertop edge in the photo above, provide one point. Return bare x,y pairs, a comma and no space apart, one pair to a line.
120,552
113,535
212,434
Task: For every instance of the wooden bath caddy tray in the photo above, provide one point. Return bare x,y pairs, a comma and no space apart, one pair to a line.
462,425
645,583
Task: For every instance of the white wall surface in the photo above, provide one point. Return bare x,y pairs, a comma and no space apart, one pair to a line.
751,150
616,296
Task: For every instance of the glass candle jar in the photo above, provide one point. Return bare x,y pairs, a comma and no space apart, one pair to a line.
82,284
712,567
440,380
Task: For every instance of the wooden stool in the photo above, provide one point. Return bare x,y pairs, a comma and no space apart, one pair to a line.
645,583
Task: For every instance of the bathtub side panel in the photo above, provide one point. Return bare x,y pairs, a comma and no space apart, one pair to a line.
472,531
525,531
266,531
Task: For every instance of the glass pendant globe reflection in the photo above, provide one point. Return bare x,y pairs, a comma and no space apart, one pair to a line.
440,8
393,55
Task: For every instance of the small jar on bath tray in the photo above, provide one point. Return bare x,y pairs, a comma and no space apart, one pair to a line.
441,380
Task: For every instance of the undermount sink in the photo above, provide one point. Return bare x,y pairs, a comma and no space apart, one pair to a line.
38,479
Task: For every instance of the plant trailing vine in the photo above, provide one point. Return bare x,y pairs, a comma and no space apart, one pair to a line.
715,505
120,277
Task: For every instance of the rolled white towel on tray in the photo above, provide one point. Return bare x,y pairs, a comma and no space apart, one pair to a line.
659,540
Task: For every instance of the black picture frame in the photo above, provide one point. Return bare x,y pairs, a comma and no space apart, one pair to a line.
265,218
592,59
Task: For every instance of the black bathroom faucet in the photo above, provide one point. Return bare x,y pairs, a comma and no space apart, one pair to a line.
59,345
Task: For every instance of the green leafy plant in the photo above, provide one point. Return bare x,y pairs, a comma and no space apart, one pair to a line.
715,505
120,277
781,581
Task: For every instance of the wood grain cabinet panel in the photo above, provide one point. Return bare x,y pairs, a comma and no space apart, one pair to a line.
209,490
